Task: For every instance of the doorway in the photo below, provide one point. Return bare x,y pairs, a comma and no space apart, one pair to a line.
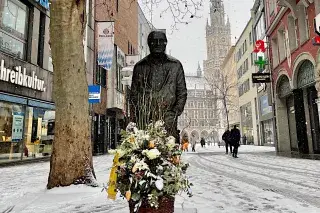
292,124
314,118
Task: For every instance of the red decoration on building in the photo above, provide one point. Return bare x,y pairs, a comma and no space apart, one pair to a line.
259,46
316,41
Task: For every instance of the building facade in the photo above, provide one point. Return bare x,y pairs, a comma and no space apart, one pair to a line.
295,64
26,76
229,70
247,90
145,28
265,110
198,115
111,111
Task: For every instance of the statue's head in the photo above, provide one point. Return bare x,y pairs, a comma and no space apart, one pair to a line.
157,42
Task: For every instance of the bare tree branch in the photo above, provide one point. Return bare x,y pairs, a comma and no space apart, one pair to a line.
181,11
225,87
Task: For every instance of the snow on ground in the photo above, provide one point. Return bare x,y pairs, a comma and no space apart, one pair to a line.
258,181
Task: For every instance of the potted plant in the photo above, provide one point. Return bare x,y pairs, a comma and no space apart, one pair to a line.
148,170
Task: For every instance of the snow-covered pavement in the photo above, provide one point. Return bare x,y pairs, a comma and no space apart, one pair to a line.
258,181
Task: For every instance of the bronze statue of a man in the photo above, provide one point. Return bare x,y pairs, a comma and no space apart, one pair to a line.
158,89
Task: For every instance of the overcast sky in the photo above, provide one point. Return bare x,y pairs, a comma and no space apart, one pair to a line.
188,43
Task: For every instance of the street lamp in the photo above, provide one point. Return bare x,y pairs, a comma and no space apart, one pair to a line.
126,73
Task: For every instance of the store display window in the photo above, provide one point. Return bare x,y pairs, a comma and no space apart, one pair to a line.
11,131
39,132
14,17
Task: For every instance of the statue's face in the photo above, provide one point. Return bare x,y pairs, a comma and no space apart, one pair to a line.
157,42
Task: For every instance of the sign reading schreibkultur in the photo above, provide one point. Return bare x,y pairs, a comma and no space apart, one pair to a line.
20,77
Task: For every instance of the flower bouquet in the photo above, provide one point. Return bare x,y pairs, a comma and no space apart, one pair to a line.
147,169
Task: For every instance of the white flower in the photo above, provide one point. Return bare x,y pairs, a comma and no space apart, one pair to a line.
171,142
152,153
112,151
146,137
141,165
130,127
159,183
159,124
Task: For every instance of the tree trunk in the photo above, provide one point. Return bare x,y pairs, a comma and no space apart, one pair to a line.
71,160
226,108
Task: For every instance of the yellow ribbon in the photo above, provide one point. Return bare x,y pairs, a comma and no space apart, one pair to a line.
112,189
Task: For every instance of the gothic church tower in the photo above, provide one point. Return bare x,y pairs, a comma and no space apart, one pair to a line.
218,38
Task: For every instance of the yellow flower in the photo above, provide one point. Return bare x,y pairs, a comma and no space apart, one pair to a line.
151,144
135,167
132,139
128,195
176,159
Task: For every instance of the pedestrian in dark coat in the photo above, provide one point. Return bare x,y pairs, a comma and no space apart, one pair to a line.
226,138
203,142
235,140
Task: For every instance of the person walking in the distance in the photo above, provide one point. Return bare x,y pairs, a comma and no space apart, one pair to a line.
226,138
193,142
235,140
203,143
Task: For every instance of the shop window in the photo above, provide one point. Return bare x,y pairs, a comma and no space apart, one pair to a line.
11,131
39,132
282,50
14,28
292,32
275,52
303,23
120,86
101,76
42,31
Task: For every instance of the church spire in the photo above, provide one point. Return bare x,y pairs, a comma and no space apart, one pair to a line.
199,71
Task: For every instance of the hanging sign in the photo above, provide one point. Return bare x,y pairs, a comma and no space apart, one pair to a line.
259,46
316,40
261,78
94,94
105,44
261,63
17,126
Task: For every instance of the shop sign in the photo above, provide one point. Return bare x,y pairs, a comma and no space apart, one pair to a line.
131,60
17,126
261,63
19,76
261,78
44,3
259,46
94,94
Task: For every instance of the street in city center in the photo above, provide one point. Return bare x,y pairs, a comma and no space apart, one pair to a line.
258,181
